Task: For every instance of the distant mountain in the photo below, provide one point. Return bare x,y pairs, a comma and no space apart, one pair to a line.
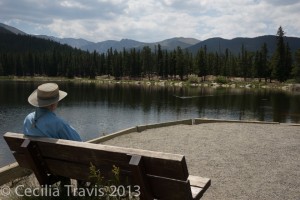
76,43
11,29
191,44
102,47
250,44
173,43
168,44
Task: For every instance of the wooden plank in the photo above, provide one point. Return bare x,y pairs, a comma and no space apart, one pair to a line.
15,139
139,177
197,192
170,189
165,124
113,135
203,120
35,161
198,181
77,170
199,185
90,155
21,158
153,162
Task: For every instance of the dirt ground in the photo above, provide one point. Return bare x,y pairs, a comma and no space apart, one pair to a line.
244,161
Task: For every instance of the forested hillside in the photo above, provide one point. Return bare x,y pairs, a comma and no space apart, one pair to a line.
25,55
251,44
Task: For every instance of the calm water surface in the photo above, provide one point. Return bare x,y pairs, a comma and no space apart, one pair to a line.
95,110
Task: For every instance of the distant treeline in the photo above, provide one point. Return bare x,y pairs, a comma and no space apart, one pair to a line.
22,55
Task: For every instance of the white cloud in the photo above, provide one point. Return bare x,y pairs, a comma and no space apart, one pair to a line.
72,28
153,20
72,4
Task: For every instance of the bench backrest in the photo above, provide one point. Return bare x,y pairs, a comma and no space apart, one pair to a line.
164,175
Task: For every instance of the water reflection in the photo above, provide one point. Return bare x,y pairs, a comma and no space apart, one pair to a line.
95,110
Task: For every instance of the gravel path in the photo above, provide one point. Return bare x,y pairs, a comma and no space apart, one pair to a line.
244,161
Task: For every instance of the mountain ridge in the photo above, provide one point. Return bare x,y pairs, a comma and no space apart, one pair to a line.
216,44
103,46
250,44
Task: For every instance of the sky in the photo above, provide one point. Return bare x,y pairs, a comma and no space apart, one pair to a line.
152,20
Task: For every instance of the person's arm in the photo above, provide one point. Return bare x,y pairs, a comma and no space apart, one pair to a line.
67,132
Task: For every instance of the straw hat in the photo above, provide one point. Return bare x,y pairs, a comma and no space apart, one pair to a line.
46,94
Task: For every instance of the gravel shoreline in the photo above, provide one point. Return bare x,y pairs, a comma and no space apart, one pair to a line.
244,161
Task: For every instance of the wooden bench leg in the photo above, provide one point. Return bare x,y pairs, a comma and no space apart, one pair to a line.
35,161
139,177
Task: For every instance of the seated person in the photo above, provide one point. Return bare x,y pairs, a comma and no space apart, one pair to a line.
44,122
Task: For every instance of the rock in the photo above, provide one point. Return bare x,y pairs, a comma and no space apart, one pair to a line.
161,83
286,87
265,87
215,85
178,84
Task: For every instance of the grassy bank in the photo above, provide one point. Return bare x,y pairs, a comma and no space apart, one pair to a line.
191,81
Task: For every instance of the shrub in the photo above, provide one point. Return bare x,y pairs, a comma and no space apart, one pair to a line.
193,79
291,81
221,80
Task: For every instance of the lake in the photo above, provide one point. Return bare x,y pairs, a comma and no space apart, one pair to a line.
94,110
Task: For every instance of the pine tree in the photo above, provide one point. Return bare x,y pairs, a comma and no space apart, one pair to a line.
159,62
244,62
93,66
261,68
296,67
264,70
201,64
288,62
256,67
279,68
180,69
147,61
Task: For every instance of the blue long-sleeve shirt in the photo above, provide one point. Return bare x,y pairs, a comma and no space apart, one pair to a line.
44,123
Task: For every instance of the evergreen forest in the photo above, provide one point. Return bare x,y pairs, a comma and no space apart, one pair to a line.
25,55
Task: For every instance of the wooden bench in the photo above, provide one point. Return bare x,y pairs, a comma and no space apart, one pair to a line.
159,175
